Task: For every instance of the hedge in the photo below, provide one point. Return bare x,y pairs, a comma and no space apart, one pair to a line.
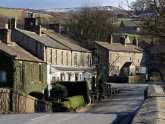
74,102
58,92
77,88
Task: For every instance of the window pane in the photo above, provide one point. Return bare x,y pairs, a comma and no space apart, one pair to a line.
40,72
3,76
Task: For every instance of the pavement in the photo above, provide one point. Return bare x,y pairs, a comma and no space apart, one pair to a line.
118,109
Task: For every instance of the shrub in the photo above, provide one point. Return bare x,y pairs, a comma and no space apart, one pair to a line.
37,94
74,102
56,106
58,92
77,88
101,84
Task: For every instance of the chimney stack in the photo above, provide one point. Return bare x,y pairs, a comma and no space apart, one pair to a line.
55,27
110,38
123,40
5,36
12,23
135,41
29,23
38,29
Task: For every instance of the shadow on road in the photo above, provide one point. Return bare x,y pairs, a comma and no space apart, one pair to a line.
123,118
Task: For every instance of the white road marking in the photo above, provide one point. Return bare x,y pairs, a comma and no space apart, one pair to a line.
40,117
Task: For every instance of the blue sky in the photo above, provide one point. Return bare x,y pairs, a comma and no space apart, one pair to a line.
46,4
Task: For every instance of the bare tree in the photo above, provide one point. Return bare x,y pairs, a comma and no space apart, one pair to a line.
91,24
20,20
112,65
152,16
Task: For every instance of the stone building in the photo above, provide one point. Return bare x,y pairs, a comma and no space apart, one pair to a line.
122,59
66,60
130,26
20,69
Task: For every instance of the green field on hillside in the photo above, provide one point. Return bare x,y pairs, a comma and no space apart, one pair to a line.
15,13
124,19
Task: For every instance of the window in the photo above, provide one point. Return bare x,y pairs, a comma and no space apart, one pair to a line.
40,72
62,54
88,61
76,77
138,61
75,59
117,57
32,73
69,77
3,76
131,57
50,59
67,58
62,77
117,69
54,78
21,72
55,57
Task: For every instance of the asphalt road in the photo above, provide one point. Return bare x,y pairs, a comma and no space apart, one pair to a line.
59,118
124,105
118,109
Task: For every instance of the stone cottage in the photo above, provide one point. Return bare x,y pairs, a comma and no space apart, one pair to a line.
122,59
66,60
20,69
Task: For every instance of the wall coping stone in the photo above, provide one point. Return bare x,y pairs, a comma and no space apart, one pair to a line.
153,108
155,91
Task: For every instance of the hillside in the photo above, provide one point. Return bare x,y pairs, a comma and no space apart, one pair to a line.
113,10
18,13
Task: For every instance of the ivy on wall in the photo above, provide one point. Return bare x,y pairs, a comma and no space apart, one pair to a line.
30,79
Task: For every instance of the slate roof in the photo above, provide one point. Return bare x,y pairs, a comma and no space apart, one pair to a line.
44,39
118,47
18,53
129,24
66,41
